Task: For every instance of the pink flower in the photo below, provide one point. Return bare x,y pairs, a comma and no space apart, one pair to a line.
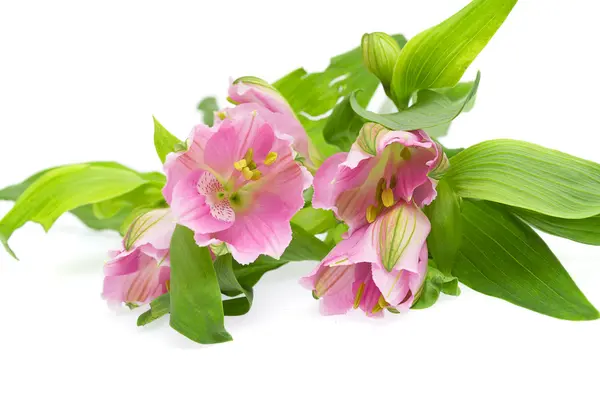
275,109
380,266
382,167
238,183
139,272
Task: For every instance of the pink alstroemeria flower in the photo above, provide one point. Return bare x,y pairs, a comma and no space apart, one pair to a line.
238,183
140,271
381,168
252,90
380,266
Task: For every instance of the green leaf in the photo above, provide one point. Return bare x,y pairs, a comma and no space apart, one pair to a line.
334,235
303,247
159,307
439,56
60,190
432,109
196,307
527,176
435,283
313,96
207,107
586,230
164,141
139,197
314,220
229,284
446,227
503,257
461,90
342,126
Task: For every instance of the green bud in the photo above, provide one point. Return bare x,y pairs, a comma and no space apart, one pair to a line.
380,53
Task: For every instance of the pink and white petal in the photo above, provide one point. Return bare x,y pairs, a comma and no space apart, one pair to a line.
412,173
223,149
154,227
334,286
178,165
190,208
286,180
139,287
262,229
324,182
370,292
397,237
125,262
242,92
405,138
349,251
425,193
394,285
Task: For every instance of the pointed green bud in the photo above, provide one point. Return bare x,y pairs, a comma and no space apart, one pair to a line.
380,53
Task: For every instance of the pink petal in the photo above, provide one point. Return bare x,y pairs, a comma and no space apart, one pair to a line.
154,227
178,165
263,229
397,237
190,208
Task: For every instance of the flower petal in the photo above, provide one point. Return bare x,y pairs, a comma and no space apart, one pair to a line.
398,237
190,207
178,165
262,229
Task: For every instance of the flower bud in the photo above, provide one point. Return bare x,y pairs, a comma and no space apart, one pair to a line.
380,52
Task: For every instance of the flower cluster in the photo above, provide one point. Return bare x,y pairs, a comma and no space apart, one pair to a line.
239,183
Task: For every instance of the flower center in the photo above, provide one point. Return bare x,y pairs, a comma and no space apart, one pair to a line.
224,198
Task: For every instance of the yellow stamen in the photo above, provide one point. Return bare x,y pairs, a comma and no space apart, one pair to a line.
248,155
387,197
406,154
247,173
221,115
168,285
359,294
240,165
371,213
252,165
256,174
271,158
381,304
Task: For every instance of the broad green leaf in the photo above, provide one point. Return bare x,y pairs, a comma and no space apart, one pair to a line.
88,213
64,189
586,230
527,176
435,283
313,96
164,141
445,237
229,285
342,126
314,220
196,307
503,257
207,107
159,307
439,56
461,90
432,109
304,247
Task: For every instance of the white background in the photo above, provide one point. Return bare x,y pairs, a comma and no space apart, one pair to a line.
80,81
